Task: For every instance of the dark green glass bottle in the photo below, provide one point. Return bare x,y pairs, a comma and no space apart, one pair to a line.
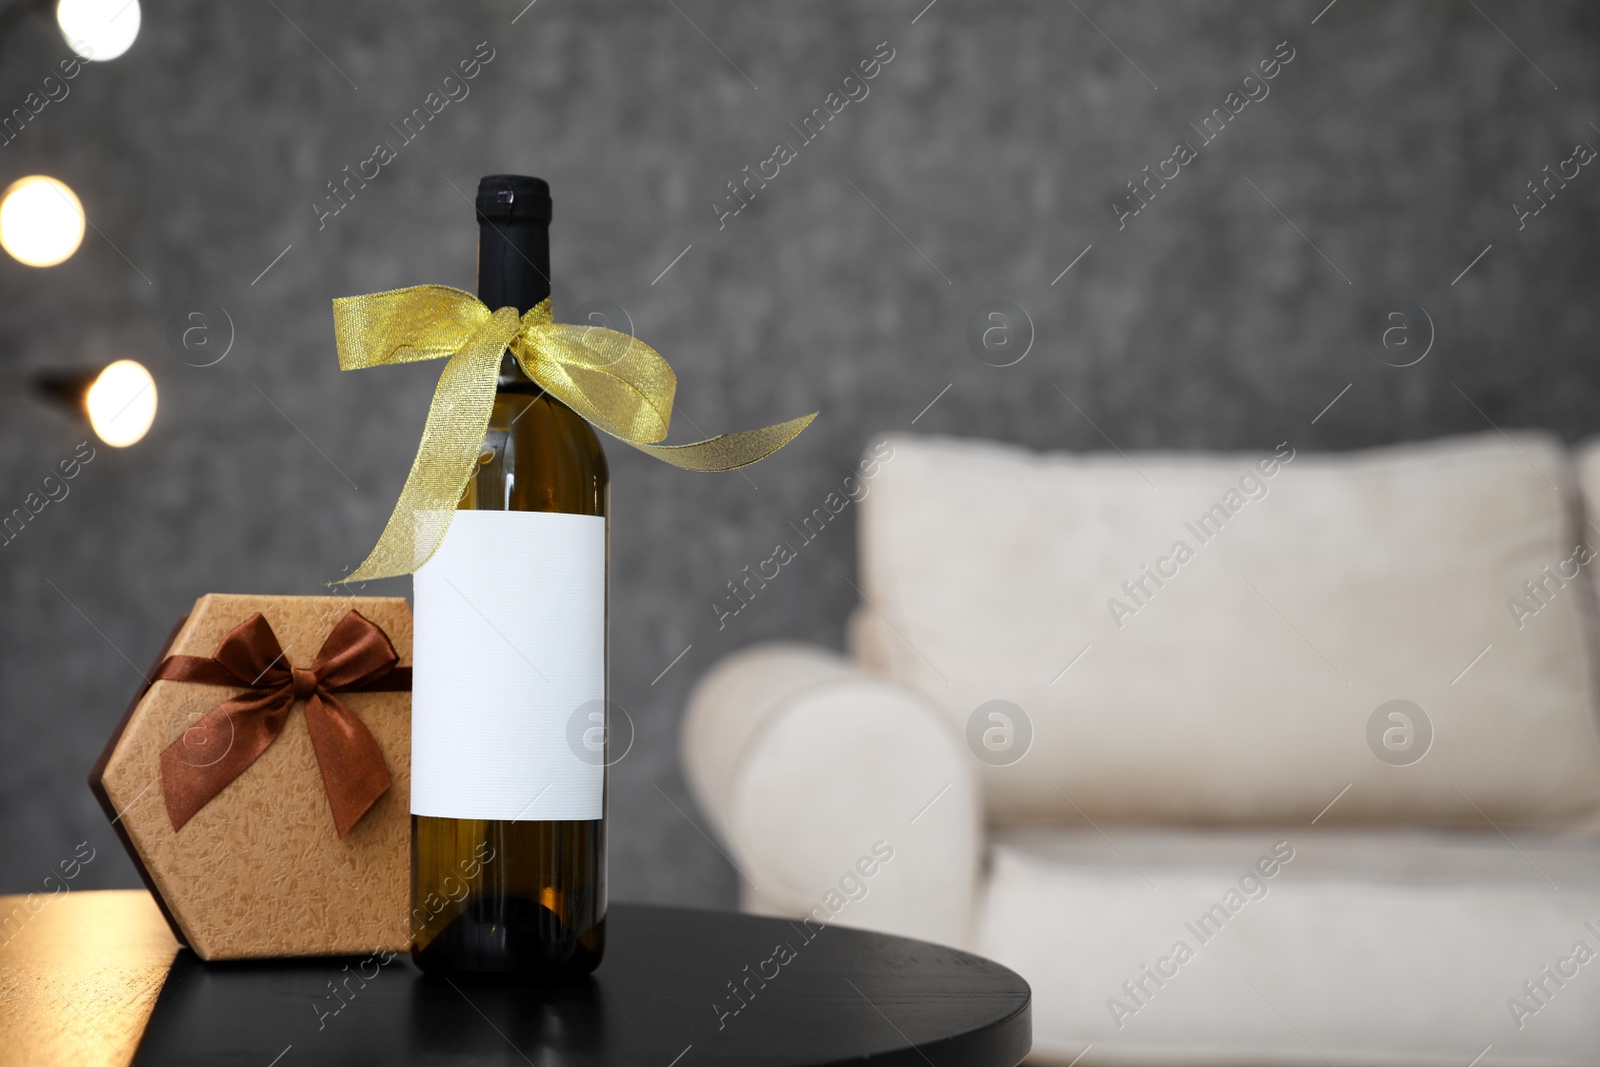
515,895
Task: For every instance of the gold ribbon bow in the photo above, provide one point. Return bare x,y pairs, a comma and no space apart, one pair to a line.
620,385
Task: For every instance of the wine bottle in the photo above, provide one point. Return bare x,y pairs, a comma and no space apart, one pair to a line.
508,788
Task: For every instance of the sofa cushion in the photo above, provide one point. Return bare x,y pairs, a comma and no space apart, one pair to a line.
1219,638
1298,947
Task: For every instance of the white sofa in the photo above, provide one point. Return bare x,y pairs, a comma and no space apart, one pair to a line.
1218,845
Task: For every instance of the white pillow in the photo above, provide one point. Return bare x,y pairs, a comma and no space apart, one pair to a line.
1242,688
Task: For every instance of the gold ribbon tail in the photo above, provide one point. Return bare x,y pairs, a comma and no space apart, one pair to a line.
730,450
458,417
623,387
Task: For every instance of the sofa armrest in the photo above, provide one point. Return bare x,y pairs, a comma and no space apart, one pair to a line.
841,796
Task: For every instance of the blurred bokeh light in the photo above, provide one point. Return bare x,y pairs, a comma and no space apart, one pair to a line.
99,29
41,221
122,403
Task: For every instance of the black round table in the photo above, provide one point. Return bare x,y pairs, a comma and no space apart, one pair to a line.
678,988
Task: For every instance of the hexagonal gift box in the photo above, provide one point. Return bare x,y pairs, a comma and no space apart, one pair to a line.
261,781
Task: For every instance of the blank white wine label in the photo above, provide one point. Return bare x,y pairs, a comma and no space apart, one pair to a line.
510,641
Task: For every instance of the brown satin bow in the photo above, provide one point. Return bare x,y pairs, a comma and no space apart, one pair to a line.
356,657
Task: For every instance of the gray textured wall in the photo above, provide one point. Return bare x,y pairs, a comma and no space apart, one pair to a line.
995,140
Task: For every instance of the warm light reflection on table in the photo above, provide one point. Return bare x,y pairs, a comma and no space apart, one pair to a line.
79,977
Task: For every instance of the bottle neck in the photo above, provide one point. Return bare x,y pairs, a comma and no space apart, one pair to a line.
513,264
513,271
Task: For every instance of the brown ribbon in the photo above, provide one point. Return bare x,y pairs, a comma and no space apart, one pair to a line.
356,658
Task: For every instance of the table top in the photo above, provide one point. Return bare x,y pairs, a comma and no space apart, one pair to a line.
96,978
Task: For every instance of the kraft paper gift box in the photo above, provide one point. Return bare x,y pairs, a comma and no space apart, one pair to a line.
243,852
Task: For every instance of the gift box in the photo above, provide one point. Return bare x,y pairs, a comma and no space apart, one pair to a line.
260,778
